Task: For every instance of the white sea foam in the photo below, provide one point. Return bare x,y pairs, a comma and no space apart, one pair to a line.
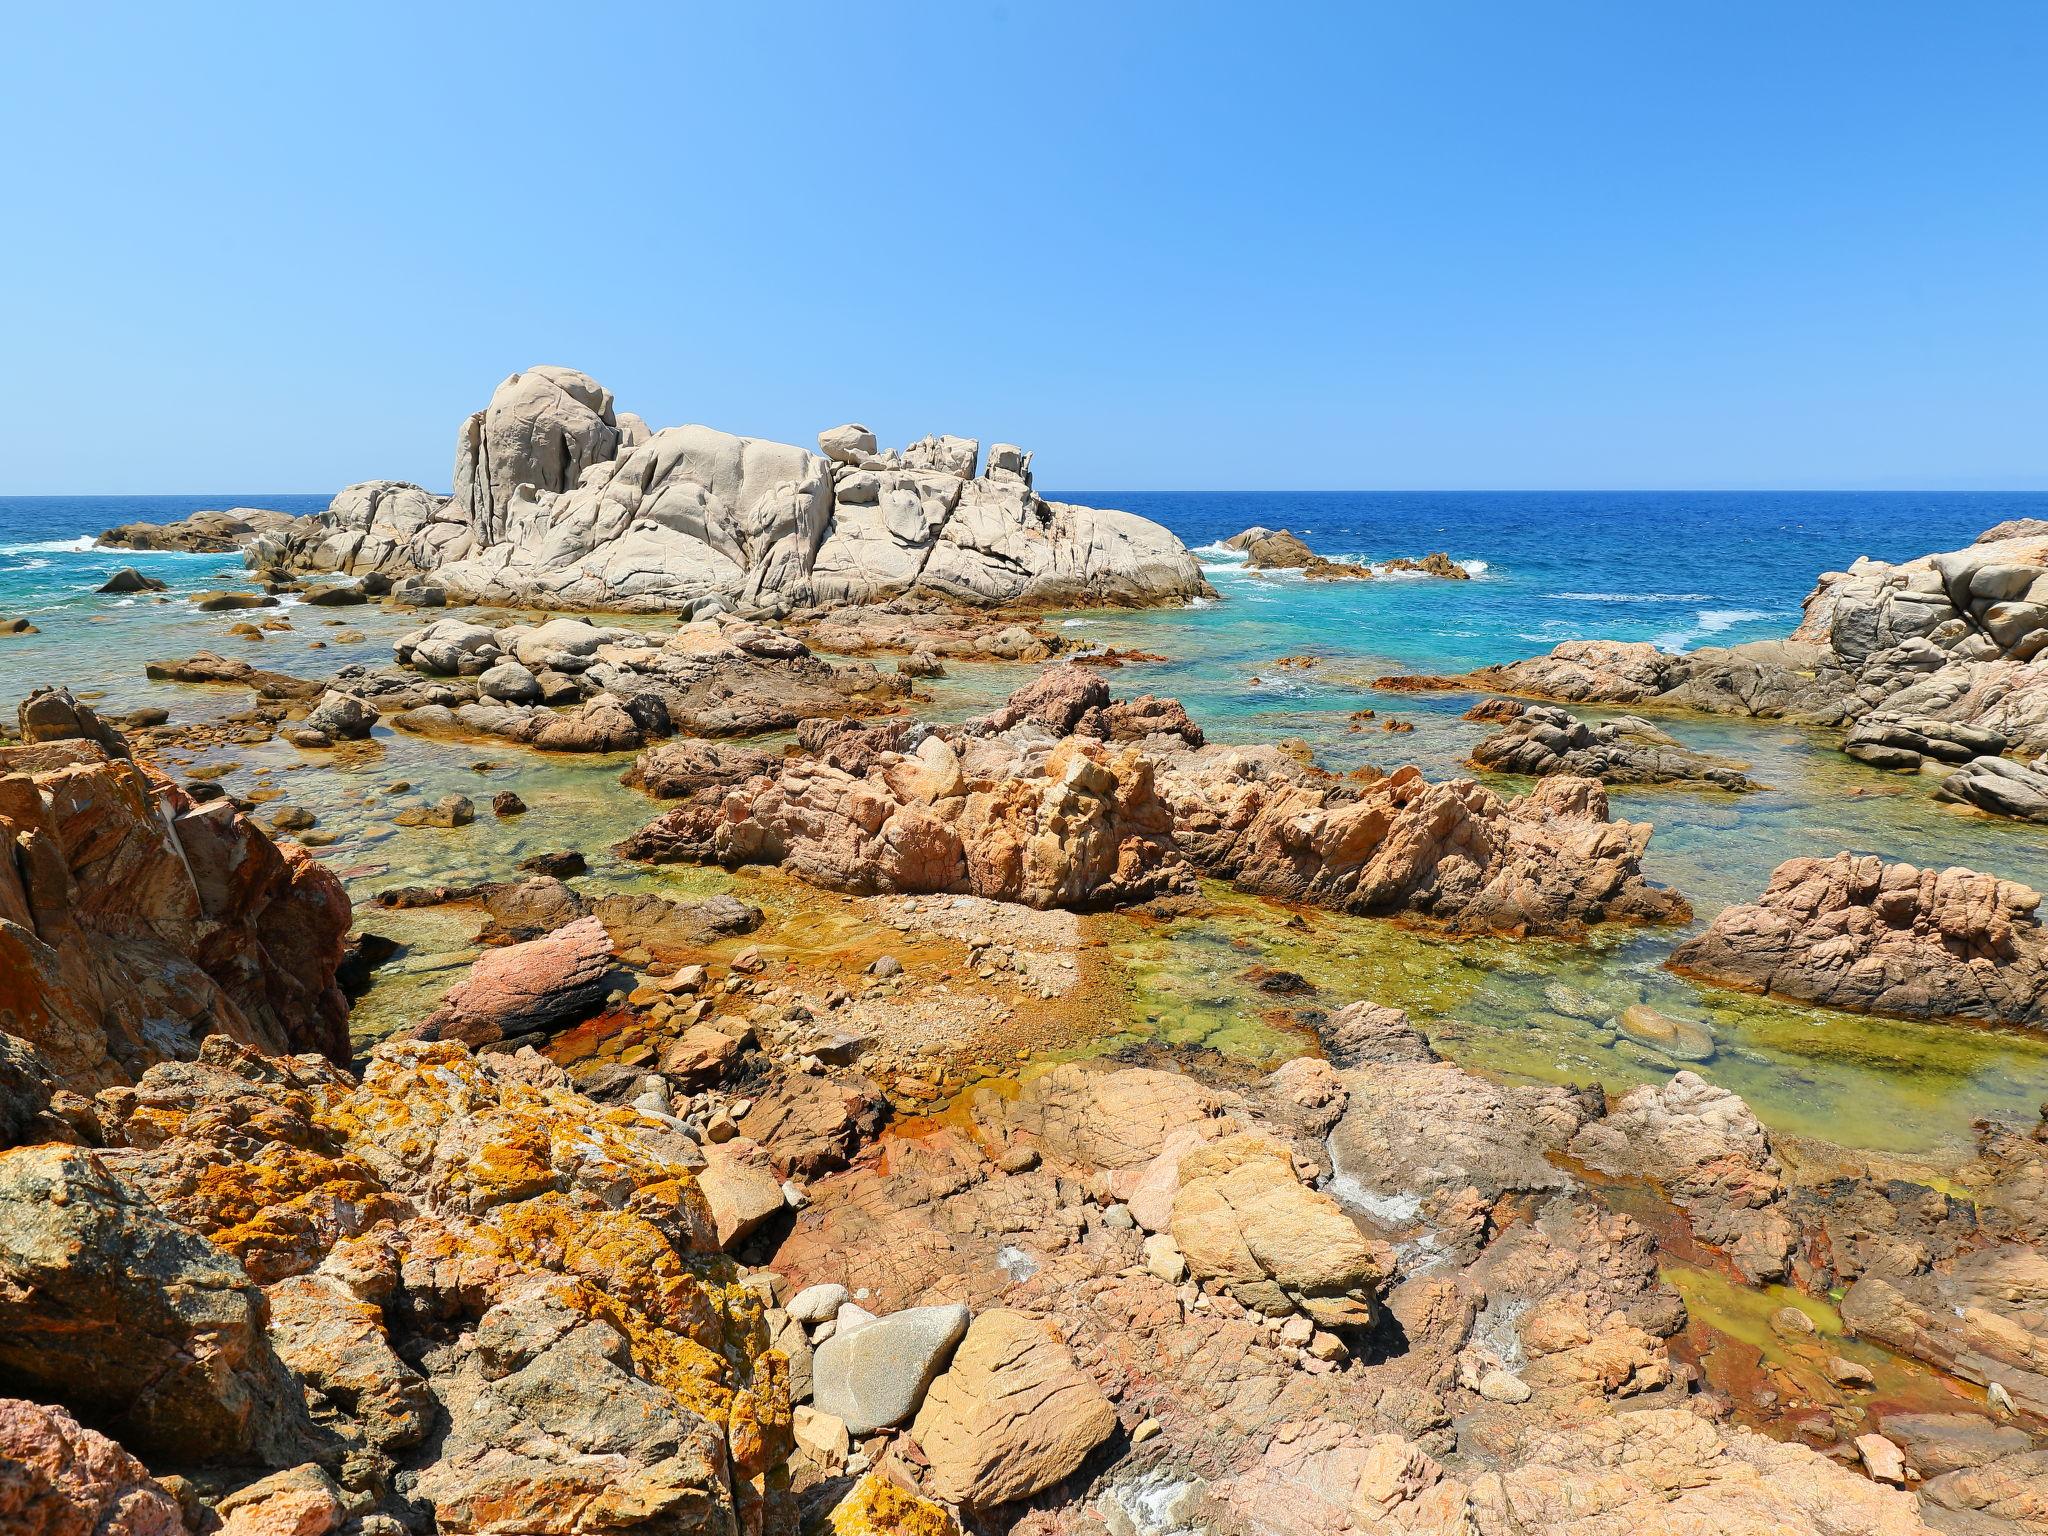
50,546
1390,1210
1220,551
1630,597
1707,622
1075,623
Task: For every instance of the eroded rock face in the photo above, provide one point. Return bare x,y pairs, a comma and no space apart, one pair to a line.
1063,797
1856,933
1550,861
476,1277
116,1311
134,922
1628,750
1276,549
1703,1146
1080,827
562,501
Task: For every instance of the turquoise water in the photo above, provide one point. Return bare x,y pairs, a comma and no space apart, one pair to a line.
1677,570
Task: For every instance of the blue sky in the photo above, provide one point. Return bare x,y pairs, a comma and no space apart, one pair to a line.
1460,245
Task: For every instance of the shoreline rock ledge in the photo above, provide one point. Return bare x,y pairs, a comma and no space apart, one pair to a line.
562,501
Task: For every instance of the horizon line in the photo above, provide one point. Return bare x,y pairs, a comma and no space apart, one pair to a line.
249,497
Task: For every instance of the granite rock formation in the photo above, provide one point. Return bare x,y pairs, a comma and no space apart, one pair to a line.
1063,797
1932,662
1856,933
561,501
1543,739
135,922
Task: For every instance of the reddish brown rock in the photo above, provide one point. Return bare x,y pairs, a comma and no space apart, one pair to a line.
1706,1150
1551,861
133,921
58,1478
526,987
1856,933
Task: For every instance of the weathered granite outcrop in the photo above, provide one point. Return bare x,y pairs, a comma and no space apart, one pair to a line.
1933,661
134,922
1062,797
202,533
1085,827
486,1302
561,501
1550,861
1856,933
1628,750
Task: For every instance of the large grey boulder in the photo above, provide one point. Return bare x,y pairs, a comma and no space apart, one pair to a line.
509,683
876,1374
543,428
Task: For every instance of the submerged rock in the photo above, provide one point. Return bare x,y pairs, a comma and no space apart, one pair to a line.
1270,549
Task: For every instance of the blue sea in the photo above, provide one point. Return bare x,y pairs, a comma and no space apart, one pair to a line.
1681,569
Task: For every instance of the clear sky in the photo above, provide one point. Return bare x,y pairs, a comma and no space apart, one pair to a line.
1445,243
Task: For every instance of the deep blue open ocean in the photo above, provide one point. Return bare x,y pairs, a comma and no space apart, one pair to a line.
1681,569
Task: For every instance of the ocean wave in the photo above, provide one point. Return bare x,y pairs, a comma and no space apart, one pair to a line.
77,546
30,564
1220,551
1630,597
1075,623
1707,622
1200,602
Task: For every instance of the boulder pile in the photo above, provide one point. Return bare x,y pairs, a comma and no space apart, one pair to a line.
1063,797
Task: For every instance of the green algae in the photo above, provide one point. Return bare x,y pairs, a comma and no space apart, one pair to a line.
1549,1011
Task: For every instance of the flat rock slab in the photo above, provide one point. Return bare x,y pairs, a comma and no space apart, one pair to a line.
876,1375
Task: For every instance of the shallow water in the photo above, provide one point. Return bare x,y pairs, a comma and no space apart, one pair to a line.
1726,568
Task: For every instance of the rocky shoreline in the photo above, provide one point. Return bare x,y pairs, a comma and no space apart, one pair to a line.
639,1230
784,1169
1935,664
